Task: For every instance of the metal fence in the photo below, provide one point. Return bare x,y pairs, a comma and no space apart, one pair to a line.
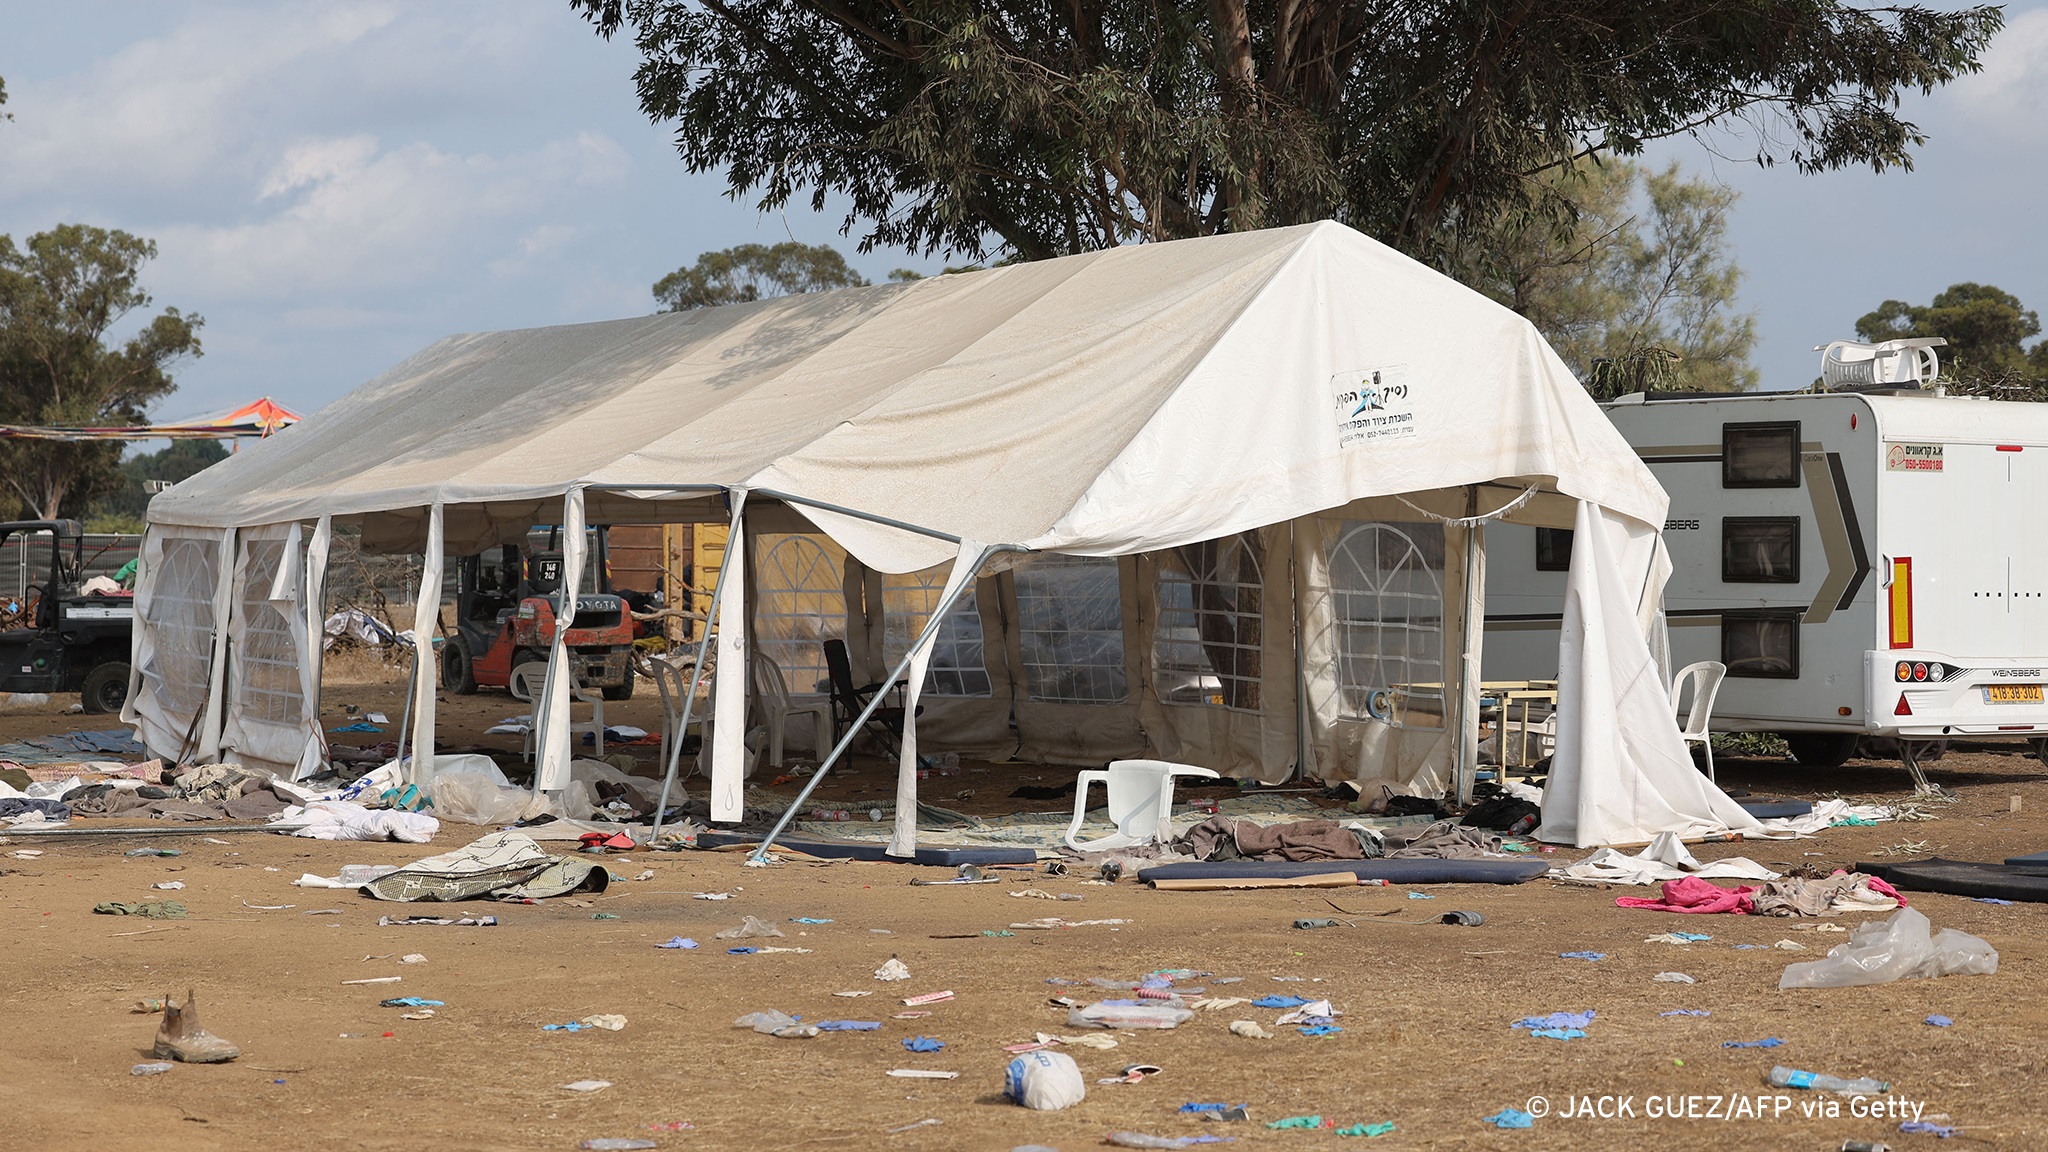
25,560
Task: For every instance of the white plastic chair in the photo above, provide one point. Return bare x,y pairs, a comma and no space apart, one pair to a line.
773,691
1140,802
530,677
673,683
1706,677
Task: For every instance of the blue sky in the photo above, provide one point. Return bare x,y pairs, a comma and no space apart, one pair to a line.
334,186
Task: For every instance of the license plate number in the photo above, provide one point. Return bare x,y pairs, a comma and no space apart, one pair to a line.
2012,694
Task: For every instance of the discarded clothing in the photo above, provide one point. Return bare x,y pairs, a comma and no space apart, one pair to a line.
1444,840
1693,894
150,910
1556,1020
1839,893
503,865
1228,838
1767,1042
1511,1118
17,806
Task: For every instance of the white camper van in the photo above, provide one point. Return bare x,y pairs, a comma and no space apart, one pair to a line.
1864,564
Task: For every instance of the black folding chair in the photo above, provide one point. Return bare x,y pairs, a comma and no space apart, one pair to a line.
848,701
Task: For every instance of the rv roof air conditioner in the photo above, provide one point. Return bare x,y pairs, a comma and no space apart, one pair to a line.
1892,364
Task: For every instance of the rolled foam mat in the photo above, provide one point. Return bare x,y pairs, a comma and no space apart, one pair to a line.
1765,808
2036,858
945,856
2027,881
1392,871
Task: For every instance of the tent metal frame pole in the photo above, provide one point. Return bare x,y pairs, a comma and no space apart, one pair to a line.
675,745
871,517
853,731
1466,773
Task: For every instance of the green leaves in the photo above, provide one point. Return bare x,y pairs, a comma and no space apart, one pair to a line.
993,128
754,272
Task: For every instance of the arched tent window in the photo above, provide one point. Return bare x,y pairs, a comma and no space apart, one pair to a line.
1208,646
1387,588
958,664
181,611
799,603
1070,629
269,662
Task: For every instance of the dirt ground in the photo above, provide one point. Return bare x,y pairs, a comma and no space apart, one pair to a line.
1426,1041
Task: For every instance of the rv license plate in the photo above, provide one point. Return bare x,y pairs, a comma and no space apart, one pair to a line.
2012,693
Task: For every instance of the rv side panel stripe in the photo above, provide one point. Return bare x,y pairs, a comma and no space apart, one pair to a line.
1847,500
1902,602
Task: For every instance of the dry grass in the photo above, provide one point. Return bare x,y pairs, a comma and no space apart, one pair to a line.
357,664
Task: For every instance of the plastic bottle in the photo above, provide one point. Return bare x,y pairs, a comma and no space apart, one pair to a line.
1783,1077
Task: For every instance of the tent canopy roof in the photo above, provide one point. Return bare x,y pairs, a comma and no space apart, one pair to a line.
1112,402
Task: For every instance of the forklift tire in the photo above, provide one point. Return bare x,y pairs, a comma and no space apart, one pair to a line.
1821,749
622,691
105,688
458,671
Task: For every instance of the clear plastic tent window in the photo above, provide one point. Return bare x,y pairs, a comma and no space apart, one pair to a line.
1386,581
1208,646
181,615
1070,630
268,663
959,665
799,603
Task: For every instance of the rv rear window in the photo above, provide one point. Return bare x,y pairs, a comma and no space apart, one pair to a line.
1760,455
1760,550
1764,645
1553,549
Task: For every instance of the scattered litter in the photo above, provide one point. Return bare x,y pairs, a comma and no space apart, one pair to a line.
412,958
1218,1003
1094,1040
1789,946
410,1002
150,910
148,1007
677,942
1044,1081
645,874
849,1025
923,1044
1278,1002
1414,896
765,1022
1306,924
604,916
322,912
156,1069
375,980
750,928
268,907
1380,1129
1249,1029
921,1074
1927,1128
586,1085
910,1015
1132,1074
1767,1042
1127,1014
1323,1030
30,854
1901,946
422,1014
1673,978
1556,1020
169,885
928,998
1686,1012
1977,899
1677,938
616,1144
152,852
1218,1111
1511,1118
927,1122
1049,922
458,921
1559,1033
851,995
713,896
609,1021
1301,1122
1042,894
1588,956
1939,1021
807,920
1783,1077
893,969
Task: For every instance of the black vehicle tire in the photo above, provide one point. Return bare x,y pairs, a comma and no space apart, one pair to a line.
105,688
1821,749
458,668
621,691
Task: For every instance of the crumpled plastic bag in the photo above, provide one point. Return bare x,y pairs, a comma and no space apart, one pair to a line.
475,798
1902,946
750,927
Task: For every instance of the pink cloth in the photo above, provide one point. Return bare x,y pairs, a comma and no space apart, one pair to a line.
1877,885
1693,894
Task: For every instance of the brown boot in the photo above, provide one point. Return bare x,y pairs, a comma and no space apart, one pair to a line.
181,1037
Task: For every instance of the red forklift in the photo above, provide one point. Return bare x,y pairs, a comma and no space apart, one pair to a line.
506,604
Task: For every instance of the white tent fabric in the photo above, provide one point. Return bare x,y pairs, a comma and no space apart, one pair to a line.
1120,403
1620,774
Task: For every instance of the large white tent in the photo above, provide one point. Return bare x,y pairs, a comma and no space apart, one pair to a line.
1217,500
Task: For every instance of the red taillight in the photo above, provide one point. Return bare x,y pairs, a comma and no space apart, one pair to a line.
2009,448
1919,671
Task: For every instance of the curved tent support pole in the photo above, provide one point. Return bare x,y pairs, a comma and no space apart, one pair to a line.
957,588
682,728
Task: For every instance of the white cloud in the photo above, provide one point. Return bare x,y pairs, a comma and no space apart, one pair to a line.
2012,90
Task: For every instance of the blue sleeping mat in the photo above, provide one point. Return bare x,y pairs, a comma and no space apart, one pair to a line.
1392,871
1764,808
942,855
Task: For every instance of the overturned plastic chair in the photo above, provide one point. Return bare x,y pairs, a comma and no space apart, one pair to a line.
1140,802
1706,677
